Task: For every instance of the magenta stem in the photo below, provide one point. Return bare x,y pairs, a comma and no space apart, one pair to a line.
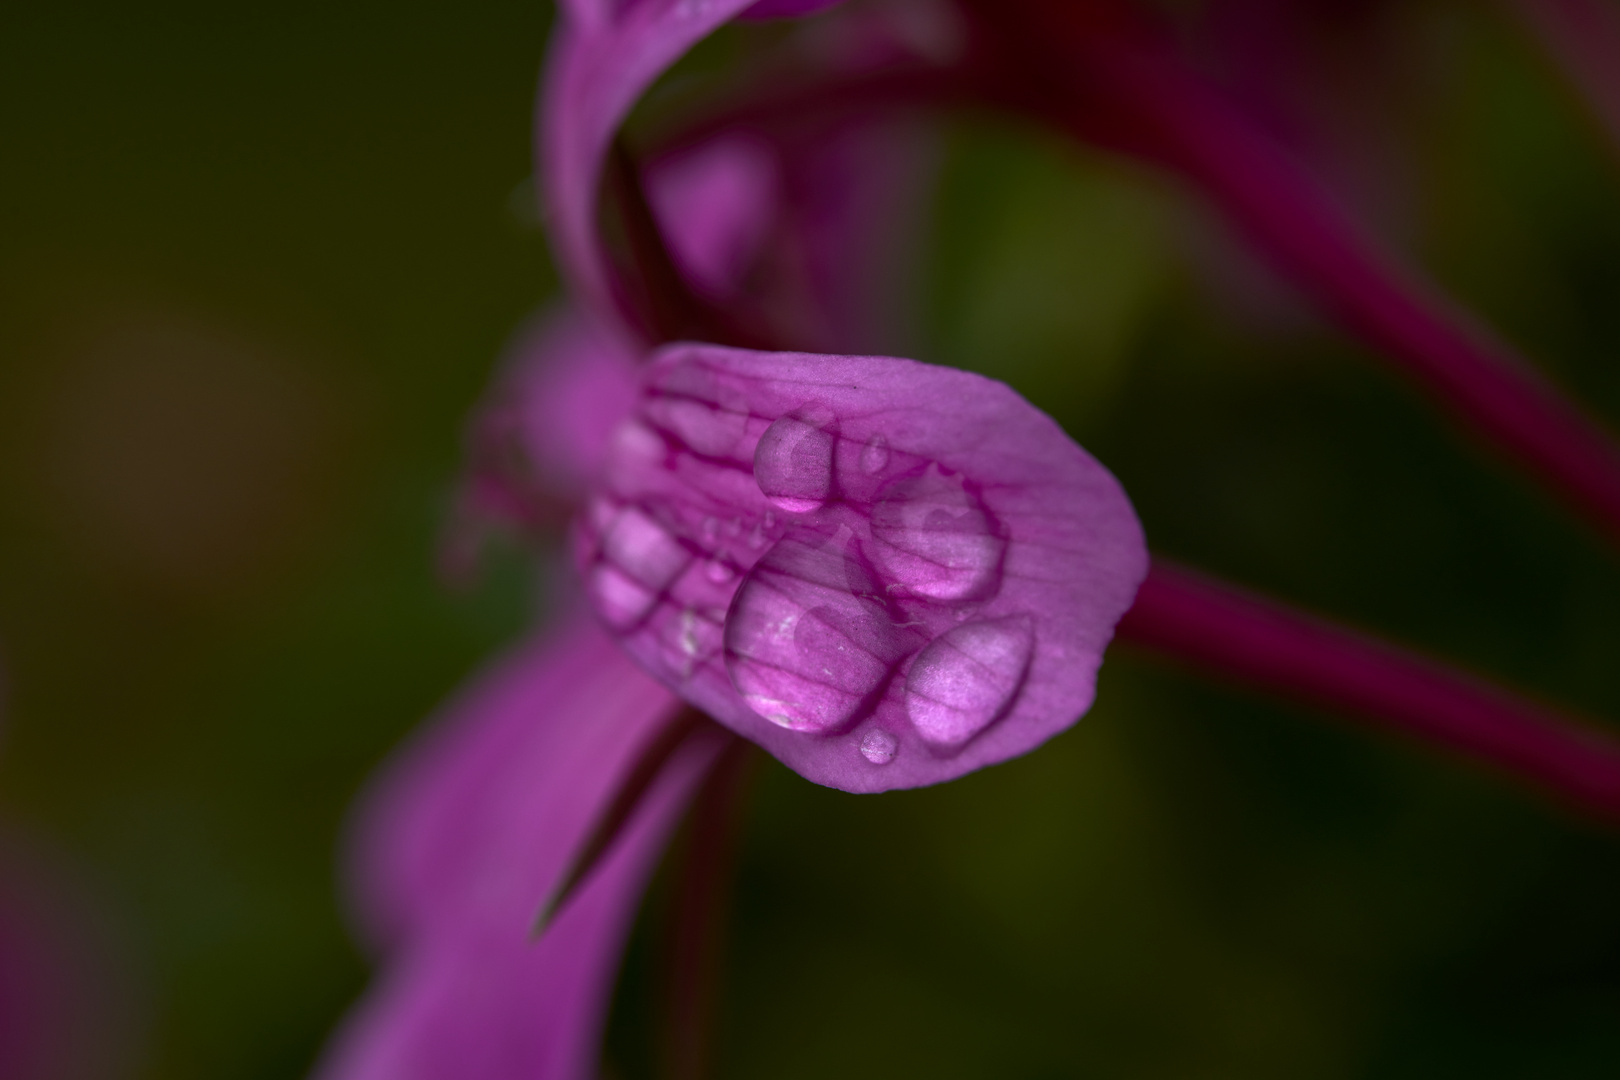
1263,643
1583,38
697,941
1096,71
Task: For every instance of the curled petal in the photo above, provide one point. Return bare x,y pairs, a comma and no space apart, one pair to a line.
887,574
601,59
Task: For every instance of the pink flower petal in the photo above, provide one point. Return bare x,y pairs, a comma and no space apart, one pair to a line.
476,999
714,204
887,574
488,806
787,9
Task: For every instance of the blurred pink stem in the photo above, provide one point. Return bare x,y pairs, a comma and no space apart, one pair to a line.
1094,69
1261,642
1583,38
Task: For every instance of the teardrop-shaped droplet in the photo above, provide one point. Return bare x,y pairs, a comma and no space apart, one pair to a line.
806,643
793,463
966,678
719,571
878,746
875,455
936,538
637,560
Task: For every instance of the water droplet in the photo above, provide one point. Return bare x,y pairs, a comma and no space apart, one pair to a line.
710,531
756,538
874,455
688,638
878,746
966,678
937,538
638,559
806,645
719,571
793,463
770,519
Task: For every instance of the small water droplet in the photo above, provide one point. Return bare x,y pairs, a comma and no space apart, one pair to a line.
719,571
770,519
878,746
734,527
967,678
793,463
806,646
937,538
874,455
637,560
710,530
688,638
756,538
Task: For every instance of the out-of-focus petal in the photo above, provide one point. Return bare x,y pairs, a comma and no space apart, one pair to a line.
571,381
715,204
539,439
486,808
477,999
887,574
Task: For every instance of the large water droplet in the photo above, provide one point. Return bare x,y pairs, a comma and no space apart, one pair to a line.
875,455
806,644
793,463
936,538
638,559
966,678
878,746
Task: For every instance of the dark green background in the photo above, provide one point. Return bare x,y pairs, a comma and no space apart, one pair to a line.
255,267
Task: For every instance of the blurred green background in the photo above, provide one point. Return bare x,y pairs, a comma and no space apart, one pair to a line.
256,266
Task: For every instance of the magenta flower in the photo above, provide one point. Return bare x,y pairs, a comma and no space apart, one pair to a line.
884,573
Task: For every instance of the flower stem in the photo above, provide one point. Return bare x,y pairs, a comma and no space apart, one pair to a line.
1264,643
1093,69
1583,38
699,921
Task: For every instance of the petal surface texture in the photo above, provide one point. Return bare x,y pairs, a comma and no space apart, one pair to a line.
885,573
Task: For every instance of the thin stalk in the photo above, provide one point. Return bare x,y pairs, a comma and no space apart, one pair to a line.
1583,38
1093,69
1243,637
701,905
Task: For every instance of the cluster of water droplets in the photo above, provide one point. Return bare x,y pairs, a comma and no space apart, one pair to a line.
840,583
